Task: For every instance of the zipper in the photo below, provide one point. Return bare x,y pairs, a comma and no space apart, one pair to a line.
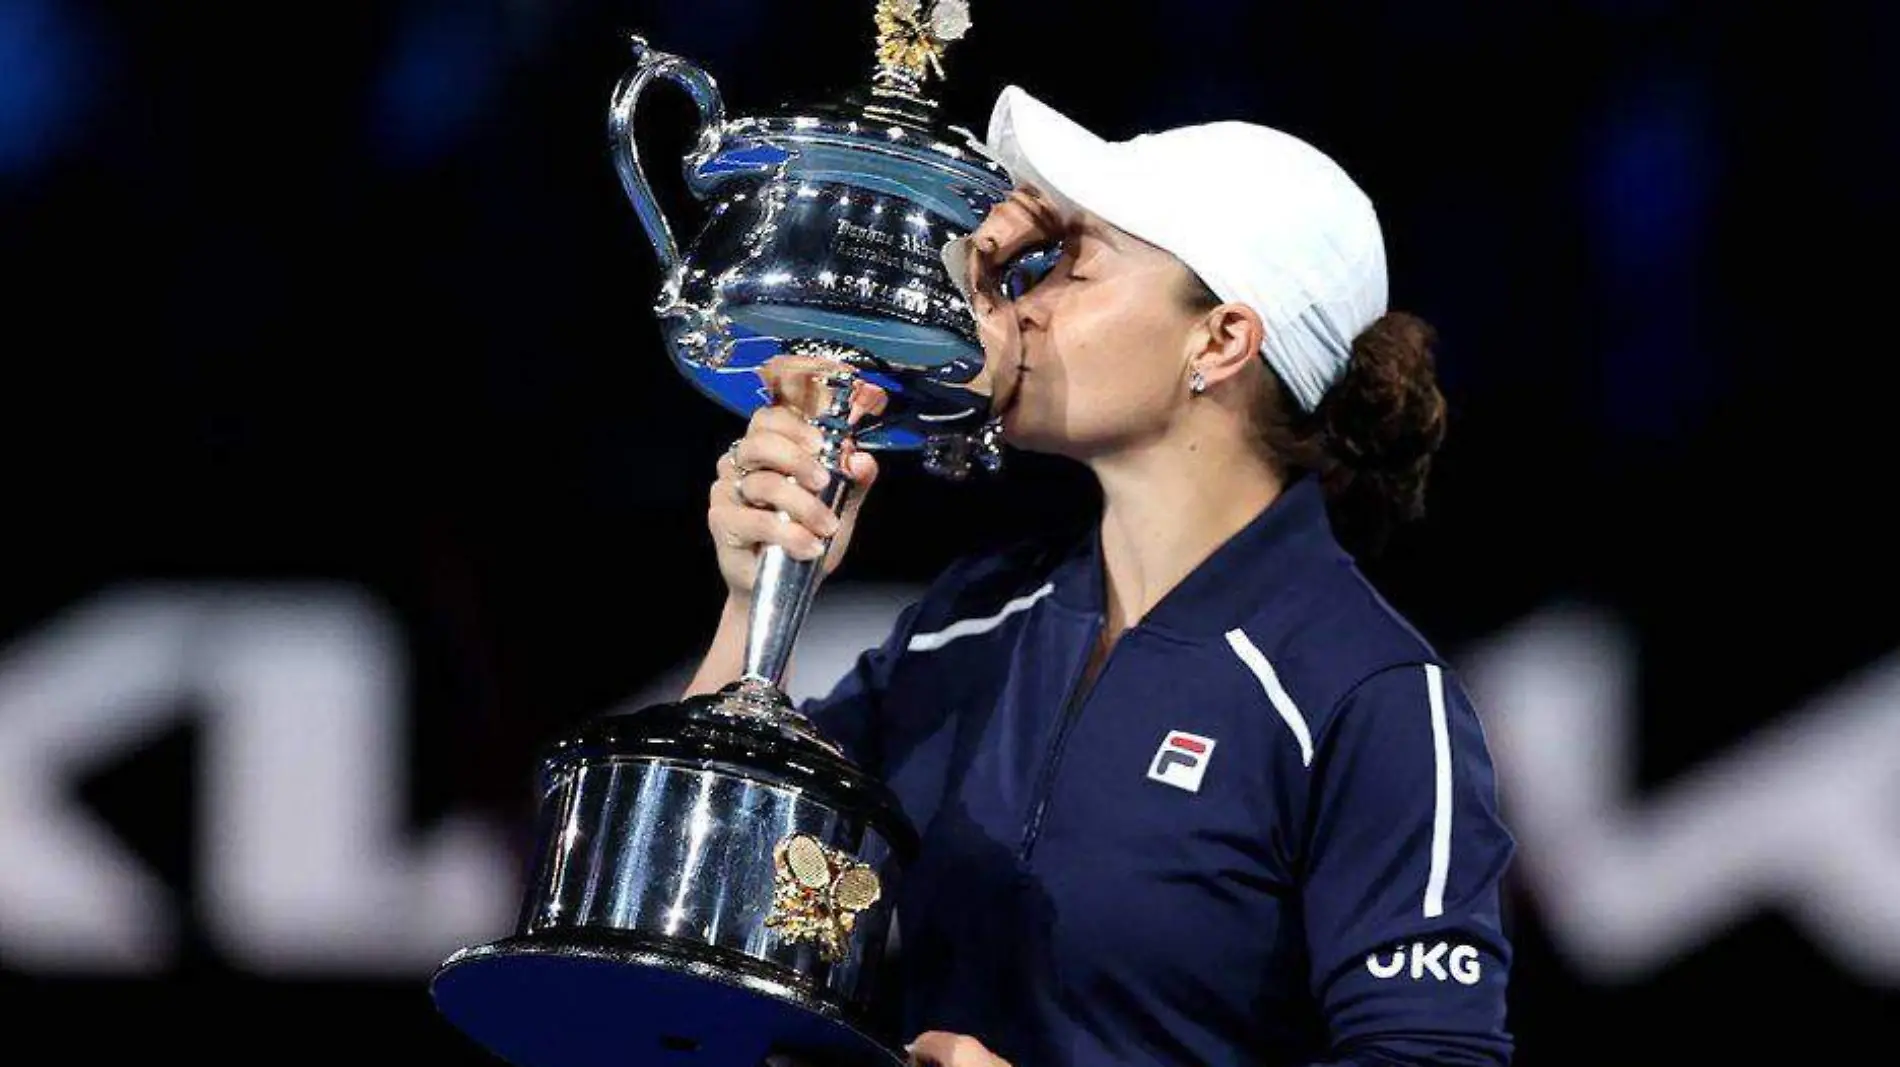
1071,710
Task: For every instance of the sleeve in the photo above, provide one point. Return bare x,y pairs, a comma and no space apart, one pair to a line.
1401,883
848,714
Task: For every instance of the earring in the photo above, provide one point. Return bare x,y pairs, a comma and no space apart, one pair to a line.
1196,383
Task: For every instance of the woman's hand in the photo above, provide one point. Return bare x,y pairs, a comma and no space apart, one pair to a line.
937,1048
767,484
1024,220
933,1048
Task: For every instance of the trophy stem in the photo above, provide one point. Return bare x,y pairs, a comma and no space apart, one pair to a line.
783,590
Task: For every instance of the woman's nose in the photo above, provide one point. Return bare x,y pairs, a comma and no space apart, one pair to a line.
1032,309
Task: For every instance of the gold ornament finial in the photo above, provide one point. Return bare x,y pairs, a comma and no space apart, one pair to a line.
912,36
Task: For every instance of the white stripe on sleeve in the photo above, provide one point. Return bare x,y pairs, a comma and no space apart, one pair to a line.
1441,800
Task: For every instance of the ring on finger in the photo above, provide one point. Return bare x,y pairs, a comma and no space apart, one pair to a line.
739,469
738,492
733,540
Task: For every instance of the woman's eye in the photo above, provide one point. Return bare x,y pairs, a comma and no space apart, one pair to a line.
1031,267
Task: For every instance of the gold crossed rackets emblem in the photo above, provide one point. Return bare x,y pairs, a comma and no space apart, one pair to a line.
818,893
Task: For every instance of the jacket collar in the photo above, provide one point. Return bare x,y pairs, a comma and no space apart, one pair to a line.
1290,537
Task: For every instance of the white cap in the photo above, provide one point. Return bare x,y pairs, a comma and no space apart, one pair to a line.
1264,218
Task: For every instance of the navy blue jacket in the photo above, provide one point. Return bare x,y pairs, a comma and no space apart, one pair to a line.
1268,834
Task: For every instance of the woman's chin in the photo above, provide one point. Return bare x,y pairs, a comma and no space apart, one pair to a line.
1016,431
1024,435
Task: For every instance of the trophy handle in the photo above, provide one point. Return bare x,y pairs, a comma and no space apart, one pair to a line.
653,64
783,589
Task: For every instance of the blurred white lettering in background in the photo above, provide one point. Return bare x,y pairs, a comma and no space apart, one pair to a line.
305,864
301,853
1799,818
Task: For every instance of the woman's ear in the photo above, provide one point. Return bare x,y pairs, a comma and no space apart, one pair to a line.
1226,341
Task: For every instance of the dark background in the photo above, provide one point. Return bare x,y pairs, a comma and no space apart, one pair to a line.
349,296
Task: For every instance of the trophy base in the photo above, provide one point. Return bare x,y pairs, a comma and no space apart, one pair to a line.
536,1002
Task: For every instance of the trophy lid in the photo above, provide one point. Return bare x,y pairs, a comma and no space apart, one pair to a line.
892,114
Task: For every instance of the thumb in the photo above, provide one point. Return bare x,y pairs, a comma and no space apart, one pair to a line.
862,469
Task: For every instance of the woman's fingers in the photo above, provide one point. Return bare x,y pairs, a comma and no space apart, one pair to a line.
761,502
798,386
867,399
1026,218
740,526
938,1048
862,467
772,491
769,485
763,451
1023,220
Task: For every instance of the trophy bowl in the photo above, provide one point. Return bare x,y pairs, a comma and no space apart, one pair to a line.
824,227
714,879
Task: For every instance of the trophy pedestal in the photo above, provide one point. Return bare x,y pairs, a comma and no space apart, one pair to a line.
594,1002
713,884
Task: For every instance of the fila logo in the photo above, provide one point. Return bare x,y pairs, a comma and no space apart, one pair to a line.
1441,961
1181,760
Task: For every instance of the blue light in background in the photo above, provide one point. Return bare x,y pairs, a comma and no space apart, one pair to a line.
444,71
42,52
1650,189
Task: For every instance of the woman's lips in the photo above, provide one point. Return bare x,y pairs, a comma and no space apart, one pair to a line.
1004,384
1015,387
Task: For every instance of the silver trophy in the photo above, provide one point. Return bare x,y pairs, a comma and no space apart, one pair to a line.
714,878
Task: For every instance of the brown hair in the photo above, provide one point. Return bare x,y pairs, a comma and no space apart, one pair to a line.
1373,435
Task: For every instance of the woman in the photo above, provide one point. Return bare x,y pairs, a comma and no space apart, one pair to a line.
1191,791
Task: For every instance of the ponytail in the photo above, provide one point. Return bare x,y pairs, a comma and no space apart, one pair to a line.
1372,438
